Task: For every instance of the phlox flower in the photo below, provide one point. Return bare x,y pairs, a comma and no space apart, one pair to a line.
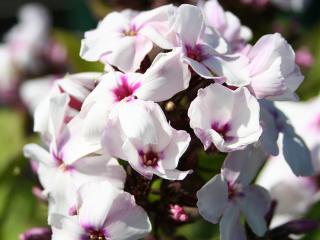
203,49
76,86
123,39
272,69
229,194
227,24
166,77
228,119
138,132
103,213
62,168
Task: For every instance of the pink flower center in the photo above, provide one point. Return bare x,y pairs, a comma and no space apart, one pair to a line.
131,32
234,190
125,90
195,53
93,234
59,162
222,130
149,159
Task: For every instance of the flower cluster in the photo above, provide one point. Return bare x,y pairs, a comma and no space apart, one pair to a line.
177,80
28,51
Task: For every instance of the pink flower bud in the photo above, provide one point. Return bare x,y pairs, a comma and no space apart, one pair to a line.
178,213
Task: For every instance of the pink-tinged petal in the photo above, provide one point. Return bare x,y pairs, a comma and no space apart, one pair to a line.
32,92
234,26
255,205
126,220
58,107
105,37
129,54
226,24
135,161
47,166
173,174
79,85
232,67
261,53
99,168
243,165
207,106
137,123
245,123
36,153
66,228
155,26
199,68
213,39
178,145
273,69
164,130
94,203
158,35
215,15
113,139
189,28
62,194
42,233
230,126
269,83
156,15
292,82
80,143
230,226
213,199
167,76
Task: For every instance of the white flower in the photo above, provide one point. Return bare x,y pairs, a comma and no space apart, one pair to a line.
227,24
228,194
124,39
228,119
273,71
166,77
66,165
76,86
138,132
202,48
103,213
27,39
9,77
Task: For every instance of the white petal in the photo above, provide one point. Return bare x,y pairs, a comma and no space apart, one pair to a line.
189,28
213,199
129,53
167,76
95,201
255,205
137,123
66,228
37,153
233,67
230,226
178,145
243,165
99,168
126,220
